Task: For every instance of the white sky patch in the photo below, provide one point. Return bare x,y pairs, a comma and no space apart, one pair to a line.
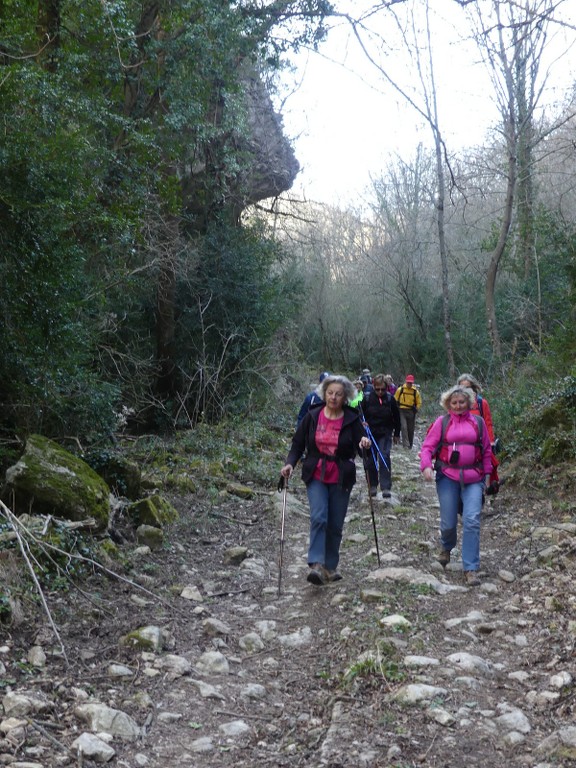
346,121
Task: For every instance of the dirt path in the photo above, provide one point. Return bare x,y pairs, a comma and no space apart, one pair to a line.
397,665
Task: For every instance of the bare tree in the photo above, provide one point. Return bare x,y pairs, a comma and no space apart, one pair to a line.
403,234
512,37
417,42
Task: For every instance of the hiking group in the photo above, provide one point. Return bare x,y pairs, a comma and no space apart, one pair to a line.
341,420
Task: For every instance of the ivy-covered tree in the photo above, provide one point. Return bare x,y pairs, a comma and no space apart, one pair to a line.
127,135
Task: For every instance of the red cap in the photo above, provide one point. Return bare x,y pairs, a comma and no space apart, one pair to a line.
410,378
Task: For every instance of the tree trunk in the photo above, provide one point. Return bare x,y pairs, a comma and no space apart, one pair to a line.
525,182
447,317
166,380
48,32
497,255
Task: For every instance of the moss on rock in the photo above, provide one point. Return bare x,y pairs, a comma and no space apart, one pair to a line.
557,447
48,479
150,536
154,510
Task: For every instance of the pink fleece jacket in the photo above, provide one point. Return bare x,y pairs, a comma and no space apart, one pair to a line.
461,434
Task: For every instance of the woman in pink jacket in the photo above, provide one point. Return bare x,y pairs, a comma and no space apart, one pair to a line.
457,448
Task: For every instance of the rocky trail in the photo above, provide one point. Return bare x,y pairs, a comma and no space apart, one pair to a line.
396,665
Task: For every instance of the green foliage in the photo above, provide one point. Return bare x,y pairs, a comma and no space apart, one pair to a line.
242,447
54,555
117,121
231,308
536,416
372,667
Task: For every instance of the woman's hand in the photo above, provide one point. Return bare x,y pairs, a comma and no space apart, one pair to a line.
428,473
286,471
365,442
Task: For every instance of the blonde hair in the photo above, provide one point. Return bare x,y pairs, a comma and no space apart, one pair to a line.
457,389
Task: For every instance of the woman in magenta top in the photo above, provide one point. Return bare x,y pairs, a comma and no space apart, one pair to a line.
329,437
457,448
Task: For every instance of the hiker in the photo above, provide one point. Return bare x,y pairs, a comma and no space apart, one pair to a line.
330,435
457,447
357,401
366,379
482,408
382,415
310,399
390,381
409,401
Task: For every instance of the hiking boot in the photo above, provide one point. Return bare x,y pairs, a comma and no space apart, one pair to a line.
373,490
317,574
471,578
334,576
386,494
444,557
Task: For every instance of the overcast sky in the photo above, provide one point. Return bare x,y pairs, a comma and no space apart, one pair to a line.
346,122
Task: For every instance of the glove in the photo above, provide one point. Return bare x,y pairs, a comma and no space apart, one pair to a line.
493,489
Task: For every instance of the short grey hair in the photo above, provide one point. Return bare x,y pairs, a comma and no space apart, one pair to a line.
474,383
457,389
350,391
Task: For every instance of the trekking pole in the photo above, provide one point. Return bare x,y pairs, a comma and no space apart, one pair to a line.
282,485
377,447
371,505
374,442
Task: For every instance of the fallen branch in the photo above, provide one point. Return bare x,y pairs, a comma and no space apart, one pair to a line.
228,592
84,559
232,519
244,716
11,518
17,526
48,736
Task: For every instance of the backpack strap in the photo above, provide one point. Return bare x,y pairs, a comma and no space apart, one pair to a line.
445,444
401,395
480,404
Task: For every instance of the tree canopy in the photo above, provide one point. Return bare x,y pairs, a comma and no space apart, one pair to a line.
139,276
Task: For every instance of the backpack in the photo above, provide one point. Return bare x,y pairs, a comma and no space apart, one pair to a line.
400,393
443,445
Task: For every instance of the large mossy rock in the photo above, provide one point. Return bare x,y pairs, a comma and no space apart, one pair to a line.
49,480
155,511
557,447
558,414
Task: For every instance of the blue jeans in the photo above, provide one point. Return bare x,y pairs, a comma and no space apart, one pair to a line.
328,507
468,498
385,445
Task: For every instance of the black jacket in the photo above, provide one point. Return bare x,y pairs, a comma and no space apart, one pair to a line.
347,449
382,417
